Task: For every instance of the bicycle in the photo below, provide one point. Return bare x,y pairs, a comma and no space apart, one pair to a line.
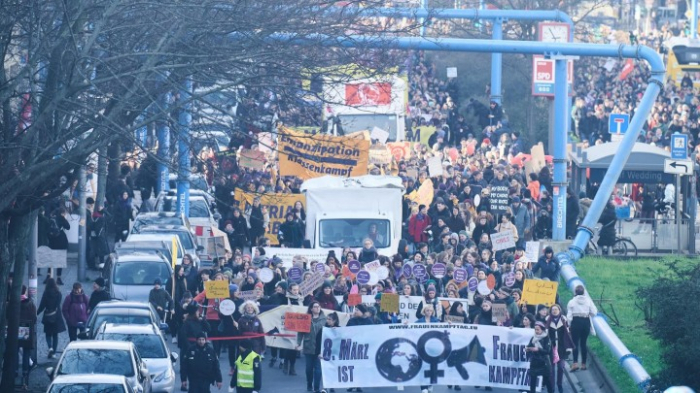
622,246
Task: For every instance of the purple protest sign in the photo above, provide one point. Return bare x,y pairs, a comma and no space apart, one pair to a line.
320,268
363,277
460,275
470,269
295,274
509,279
422,279
407,271
419,271
438,270
473,284
354,266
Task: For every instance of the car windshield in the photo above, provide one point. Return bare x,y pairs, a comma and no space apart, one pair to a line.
87,388
122,319
142,221
140,273
96,361
150,346
185,239
352,232
198,207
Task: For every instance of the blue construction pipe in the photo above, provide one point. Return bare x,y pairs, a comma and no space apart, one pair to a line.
423,21
498,16
496,63
142,132
183,148
163,134
561,96
627,360
694,21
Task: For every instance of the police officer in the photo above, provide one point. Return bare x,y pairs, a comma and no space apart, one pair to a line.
247,376
201,366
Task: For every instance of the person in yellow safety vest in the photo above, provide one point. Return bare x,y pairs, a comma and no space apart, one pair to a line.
247,374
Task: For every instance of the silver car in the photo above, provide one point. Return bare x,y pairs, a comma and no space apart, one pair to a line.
90,383
151,347
132,276
104,357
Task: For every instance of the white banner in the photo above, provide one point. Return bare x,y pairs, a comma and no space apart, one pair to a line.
287,254
502,240
421,354
273,323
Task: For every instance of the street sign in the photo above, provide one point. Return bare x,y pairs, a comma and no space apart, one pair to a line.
678,167
543,76
679,146
618,123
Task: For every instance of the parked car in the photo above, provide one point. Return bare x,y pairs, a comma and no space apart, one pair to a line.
152,349
157,218
131,276
165,238
187,239
116,311
90,383
104,357
201,213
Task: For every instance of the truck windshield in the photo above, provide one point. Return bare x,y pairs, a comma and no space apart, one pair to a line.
351,232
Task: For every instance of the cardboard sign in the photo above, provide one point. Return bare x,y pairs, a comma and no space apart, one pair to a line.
499,312
502,240
380,155
435,167
372,266
400,150
297,322
354,299
390,302
379,135
532,251
308,286
216,289
539,292
255,294
454,319
499,199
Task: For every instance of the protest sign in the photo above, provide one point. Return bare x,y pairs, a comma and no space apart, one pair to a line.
422,134
379,155
254,294
287,254
278,205
273,323
434,166
447,302
499,199
400,150
253,159
532,251
454,319
297,322
354,299
499,312
451,72
389,302
321,155
379,135
424,194
216,289
408,305
47,257
311,283
372,266
399,355
502,240
539,292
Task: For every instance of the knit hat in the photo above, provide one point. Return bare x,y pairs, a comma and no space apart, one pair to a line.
233,288
259,285
540,324
463,233
440,201
253,275
431,288
516,199
100,282
157,282
361,307
282,284
201,335
486,301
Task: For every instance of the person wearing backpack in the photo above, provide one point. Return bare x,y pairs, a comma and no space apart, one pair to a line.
58,240
74,310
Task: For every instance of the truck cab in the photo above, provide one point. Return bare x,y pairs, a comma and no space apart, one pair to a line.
343,212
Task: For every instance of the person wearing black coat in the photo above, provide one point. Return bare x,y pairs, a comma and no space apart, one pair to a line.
368,252
240,230
539,350
572,212
257,221
52,319
60,240
191,328
290,233
123,214
98,294
607,232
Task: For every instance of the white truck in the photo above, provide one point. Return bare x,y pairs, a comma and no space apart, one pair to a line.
342,212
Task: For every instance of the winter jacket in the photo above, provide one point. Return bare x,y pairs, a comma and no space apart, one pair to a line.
75,309
51,303
98,296
580,306
368,255
549,269
250,324
191,328
521,219
416,226
308,340
59,242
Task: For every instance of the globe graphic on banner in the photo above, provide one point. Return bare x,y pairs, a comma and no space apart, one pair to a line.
398,360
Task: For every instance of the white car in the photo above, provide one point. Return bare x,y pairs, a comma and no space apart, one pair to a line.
164,238
200,209
90,383
104,357
131,276
152,349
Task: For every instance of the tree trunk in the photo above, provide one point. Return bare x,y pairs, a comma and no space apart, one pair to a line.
19,227
114,156
5,268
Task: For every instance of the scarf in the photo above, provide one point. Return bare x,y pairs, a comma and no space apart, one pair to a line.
537,338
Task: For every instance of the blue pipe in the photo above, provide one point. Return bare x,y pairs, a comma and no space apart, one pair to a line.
561,95
183,148
423,21
163,134
627,360
694,21
496,63
142,132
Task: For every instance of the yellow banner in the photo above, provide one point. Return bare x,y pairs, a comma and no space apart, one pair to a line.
307,156
424,194
174,251
278,205
422,134
216,289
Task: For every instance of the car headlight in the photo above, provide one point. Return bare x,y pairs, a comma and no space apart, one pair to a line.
162,376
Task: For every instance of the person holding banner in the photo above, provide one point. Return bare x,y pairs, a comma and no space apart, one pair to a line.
211,310
307,342
540,349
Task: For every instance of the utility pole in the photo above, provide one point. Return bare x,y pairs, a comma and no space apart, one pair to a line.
82,232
